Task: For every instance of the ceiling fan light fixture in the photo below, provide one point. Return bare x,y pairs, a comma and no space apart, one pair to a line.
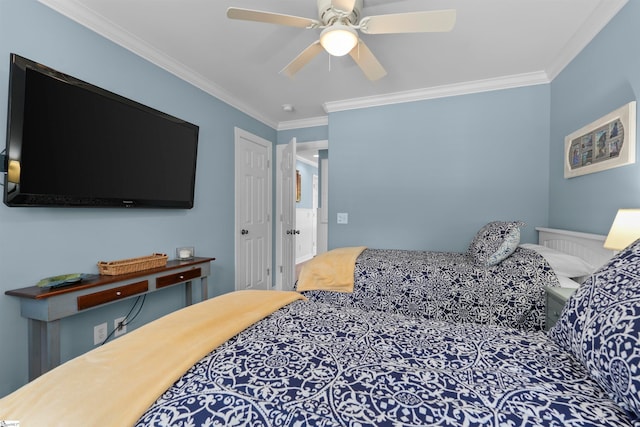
338,39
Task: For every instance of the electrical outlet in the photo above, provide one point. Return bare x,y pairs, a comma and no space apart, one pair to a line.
119,327
99,333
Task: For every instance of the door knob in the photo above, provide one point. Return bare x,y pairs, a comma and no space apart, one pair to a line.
243,232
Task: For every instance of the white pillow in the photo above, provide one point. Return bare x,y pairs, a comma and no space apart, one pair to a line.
563,264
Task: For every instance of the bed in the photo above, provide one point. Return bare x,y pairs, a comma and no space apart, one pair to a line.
496,281
274,358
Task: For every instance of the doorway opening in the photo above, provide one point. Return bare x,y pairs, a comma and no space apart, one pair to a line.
311,218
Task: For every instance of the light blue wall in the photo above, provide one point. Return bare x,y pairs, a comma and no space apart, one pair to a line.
306,177
604,77
429,174
40,242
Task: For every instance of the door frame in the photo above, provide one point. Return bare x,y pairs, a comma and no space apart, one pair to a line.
311,145
238,195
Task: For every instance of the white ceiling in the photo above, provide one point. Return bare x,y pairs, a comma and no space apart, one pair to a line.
495,44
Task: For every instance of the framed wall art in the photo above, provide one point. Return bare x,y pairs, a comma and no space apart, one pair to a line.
606,143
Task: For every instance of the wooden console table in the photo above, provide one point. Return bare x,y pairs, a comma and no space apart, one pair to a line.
44,307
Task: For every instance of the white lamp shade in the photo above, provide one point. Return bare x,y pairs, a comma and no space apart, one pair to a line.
624,230
338,39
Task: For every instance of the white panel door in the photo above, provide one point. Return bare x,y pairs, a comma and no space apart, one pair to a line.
288,209
323,211
253,211
314,230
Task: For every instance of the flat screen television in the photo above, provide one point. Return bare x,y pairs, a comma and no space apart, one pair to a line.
70,143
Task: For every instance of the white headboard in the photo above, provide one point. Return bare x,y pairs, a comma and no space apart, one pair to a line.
584,245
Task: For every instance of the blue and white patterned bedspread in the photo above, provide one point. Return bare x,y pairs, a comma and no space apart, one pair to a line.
449,286
315,364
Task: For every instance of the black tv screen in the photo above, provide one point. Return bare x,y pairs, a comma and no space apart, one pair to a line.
70,143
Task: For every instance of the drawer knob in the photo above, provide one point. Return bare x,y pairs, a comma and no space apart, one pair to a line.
181,277
118,293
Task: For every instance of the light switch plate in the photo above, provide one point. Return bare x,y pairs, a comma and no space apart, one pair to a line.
343,218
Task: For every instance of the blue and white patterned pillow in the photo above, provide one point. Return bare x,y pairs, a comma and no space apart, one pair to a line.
495,242
600,326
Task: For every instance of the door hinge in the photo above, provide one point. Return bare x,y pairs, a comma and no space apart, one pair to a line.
281,269
268,272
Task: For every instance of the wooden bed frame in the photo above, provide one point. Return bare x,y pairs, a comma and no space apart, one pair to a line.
584,245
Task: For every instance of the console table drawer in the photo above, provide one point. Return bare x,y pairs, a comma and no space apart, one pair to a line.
103,297
172,279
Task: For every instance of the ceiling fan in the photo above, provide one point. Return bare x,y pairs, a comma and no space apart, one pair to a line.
340,21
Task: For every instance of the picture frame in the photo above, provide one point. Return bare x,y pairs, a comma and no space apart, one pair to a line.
606,143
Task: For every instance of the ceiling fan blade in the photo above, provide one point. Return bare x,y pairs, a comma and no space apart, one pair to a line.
271,18
303,59
412,22
344,5
367,62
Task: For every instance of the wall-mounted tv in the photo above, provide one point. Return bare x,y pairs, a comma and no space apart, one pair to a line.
70,143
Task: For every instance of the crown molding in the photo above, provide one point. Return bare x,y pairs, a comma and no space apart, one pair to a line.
304,123
76,11
599,19
86,17
466,88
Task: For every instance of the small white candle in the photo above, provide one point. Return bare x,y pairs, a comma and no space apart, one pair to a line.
185,253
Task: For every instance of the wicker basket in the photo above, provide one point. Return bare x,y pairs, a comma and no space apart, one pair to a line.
131,265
